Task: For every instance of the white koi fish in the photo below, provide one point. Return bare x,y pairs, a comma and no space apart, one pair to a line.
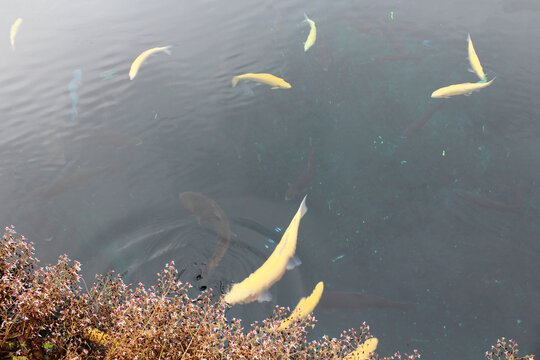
13,32
312,37
256,284
263,78
460,89
143,56
476,67
305,306
363,351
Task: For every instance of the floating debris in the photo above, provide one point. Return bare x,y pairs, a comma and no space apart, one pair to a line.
73,87
108,74
339,257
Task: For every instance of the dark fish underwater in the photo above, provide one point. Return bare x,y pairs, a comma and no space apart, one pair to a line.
206,208
484,202
416,125
301,184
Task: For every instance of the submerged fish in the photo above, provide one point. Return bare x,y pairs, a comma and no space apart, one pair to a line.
305,306
358,23
389,32
476,67
459,89
417,124
484,202
274,267
108,74
13,32
143,56
312,37
268,79
301,184
74,85
357,301
206,208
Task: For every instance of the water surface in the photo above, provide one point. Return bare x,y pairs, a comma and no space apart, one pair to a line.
385,214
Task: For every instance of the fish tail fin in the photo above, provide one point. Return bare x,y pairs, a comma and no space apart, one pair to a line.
235,80
468,37
303,208
167,49
305,17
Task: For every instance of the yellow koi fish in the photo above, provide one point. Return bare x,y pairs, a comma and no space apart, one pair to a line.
312,37
273,268
13,32
304,307
143,56
476,67
363,351
268,79
97,336
459,89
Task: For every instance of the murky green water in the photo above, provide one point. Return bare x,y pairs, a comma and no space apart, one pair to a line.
445,220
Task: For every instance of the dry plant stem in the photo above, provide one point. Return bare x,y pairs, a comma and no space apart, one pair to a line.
13,322
162,347
45,313
191,336
155,307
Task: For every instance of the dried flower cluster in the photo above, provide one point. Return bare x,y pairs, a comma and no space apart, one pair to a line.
506,350
45,314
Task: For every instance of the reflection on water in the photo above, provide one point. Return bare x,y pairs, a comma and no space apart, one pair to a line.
93,163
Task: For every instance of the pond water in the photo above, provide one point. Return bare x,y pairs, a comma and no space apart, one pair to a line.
443,217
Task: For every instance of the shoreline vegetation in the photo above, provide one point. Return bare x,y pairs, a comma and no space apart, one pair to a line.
49,313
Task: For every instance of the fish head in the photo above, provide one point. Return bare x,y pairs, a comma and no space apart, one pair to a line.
438,95
285,85
187,200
